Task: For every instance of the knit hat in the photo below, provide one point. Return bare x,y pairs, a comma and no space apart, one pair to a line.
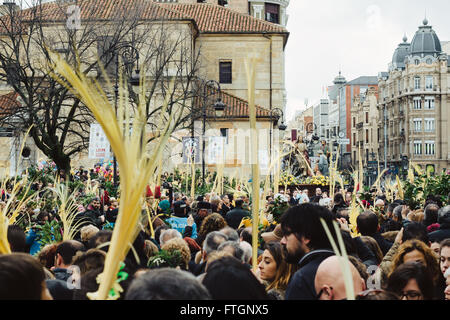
164,205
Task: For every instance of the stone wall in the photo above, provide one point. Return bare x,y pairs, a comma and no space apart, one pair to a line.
237,48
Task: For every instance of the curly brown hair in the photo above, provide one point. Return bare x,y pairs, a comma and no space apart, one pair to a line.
177,244
47,255
412,245
213,222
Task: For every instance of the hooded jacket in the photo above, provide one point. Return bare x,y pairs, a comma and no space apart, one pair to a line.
301,286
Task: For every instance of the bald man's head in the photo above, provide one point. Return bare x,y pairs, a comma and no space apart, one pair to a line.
329,281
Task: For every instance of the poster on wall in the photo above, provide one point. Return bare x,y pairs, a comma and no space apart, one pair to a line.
216,150
191,150
98,143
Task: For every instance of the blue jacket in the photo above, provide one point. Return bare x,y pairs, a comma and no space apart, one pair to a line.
301,286
32,241
180,224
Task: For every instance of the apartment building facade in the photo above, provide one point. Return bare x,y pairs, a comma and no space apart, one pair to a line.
414,104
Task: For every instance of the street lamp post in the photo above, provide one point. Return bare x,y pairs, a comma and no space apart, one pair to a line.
130,55
219,107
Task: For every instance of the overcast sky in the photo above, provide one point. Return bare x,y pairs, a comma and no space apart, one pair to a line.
357,37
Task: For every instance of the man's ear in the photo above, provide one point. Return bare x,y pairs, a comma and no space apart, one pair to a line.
327,293
305,241
58,260
363,285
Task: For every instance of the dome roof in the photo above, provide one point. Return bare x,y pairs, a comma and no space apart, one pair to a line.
425,41
398,60
339,79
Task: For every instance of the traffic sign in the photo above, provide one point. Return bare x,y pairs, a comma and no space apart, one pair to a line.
343,141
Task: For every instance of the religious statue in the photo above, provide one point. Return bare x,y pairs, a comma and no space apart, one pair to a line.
301,153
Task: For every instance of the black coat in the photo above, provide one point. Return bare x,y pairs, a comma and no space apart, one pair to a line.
89,217
442,233
225,209
390,225
235,216
111,215
59,289
364,253
94,217
382,242
197,269
301,286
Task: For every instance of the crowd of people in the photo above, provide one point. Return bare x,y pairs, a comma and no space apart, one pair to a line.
201,249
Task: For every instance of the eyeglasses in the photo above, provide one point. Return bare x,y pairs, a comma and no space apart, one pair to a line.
411,295
321,292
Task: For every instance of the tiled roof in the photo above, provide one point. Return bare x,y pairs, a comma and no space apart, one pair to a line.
95,10
8,102
102,10
209,18
214,18
235,107
364,80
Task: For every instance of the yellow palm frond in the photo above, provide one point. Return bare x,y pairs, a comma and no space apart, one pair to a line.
400,189
67,210
136,166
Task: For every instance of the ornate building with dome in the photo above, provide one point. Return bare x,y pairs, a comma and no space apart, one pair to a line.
414,104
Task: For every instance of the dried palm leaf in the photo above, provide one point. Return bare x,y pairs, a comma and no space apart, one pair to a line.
251,76
136,166
67,209
400,189
345,262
